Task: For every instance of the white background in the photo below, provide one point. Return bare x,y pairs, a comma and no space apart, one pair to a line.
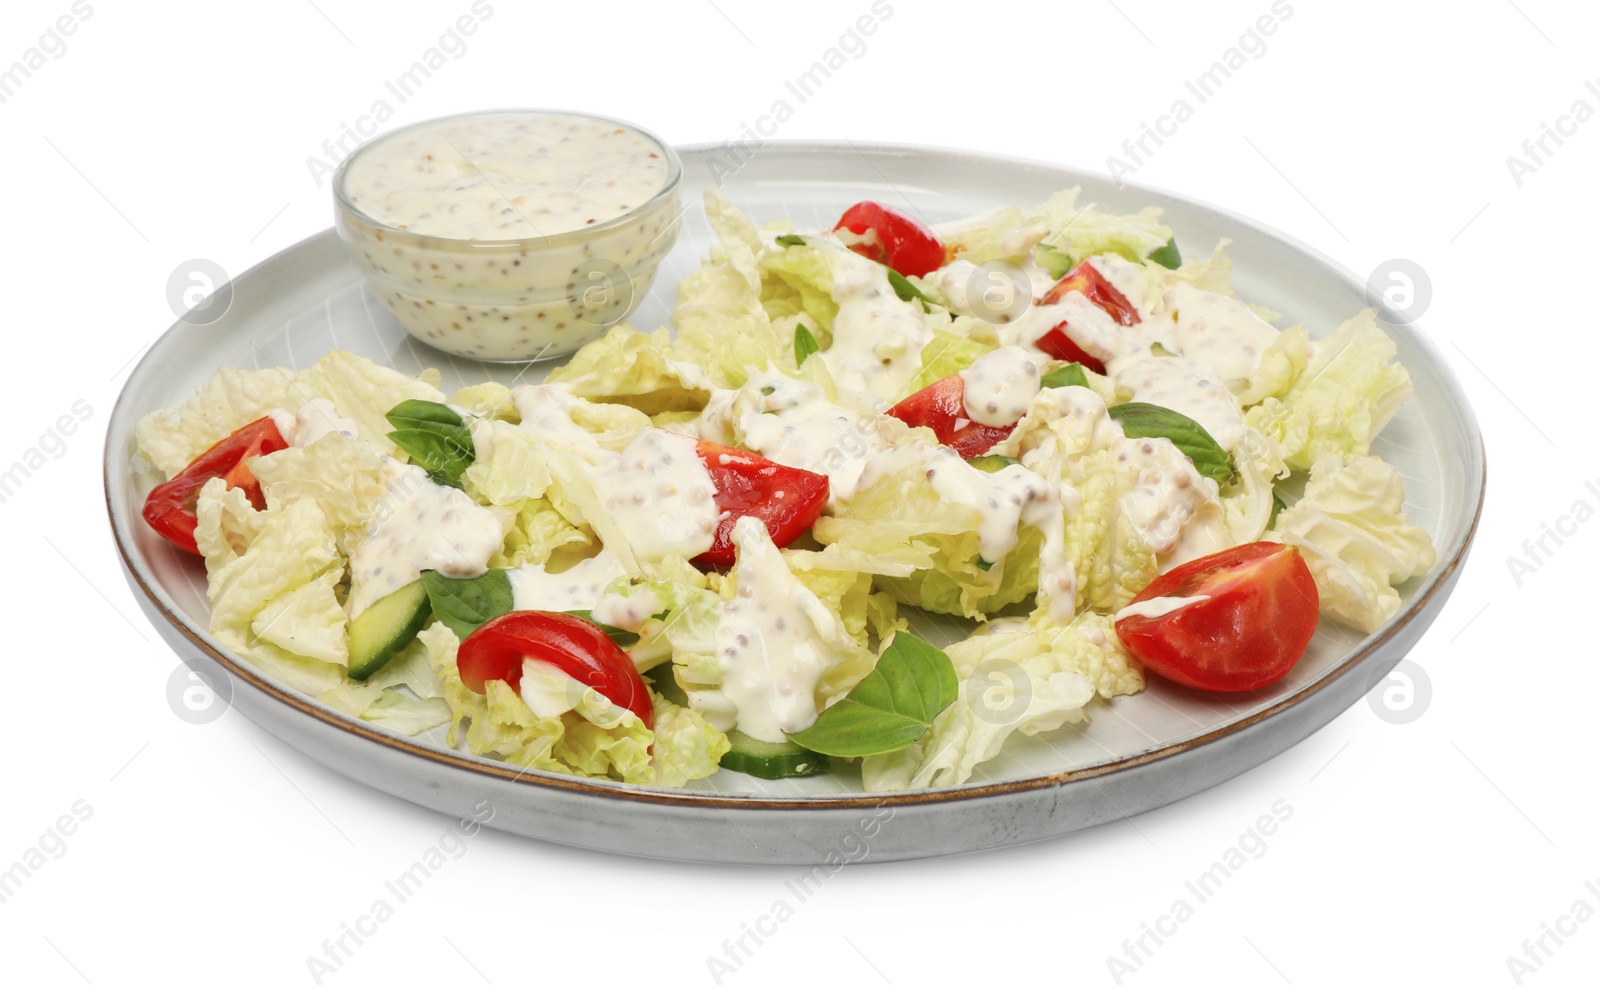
1420,852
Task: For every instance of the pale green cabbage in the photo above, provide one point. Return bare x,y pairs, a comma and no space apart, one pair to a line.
1350,529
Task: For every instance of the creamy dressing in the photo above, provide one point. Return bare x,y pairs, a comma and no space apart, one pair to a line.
768,644
505,177
659,495
1173,508
579,587
628,611
796,425
546,410
1128,278
1218,333
1159,606
1180,384
877,338
315,419
419,525
1003,500
1092,329
1000,386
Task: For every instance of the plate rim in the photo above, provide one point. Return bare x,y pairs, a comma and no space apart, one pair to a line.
1440,577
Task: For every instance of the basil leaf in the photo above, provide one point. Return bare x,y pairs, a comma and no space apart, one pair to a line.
804,344
791,239
891,707
410,413
991,463
619,636
1168,255
1072,374
1141,420
435,437
464,604
905,289
1055,261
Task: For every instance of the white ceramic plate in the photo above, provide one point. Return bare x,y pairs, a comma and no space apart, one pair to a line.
1140,752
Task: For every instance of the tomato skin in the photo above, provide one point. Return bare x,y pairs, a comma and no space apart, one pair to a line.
787,500
571,644
1058,345
169,509
939,406
1254,627
1088,281
895,239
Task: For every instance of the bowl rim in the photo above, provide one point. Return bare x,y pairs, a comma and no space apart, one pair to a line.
344,207
1452,555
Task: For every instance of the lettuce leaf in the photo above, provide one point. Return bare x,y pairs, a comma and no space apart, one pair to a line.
798,281
1345,396
630,367
291,547
721,324
1350,529
343,477
1015,677
1083,231
583,734
360,390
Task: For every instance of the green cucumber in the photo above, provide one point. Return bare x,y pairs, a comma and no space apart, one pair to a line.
771,760
992,463
385,628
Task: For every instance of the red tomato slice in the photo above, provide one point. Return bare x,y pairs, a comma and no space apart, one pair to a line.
940,406
169,509
1089,282
892,238
787,500
1057,344
1253,626
571,644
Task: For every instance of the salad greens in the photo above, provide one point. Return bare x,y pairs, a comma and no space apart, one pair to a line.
1155,445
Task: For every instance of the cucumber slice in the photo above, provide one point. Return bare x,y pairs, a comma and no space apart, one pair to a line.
992,463
385,628
771,760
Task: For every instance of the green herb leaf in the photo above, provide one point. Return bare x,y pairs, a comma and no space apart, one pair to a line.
1168,255
905,289
1141,420
992,463
984,565
891,707
435,437
791,239
464,604
415,413
1055,261
804,344
619,636
1072,374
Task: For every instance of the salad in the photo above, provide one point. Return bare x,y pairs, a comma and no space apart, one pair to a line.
707,548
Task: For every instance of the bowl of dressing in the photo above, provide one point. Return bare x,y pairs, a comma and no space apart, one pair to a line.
510,235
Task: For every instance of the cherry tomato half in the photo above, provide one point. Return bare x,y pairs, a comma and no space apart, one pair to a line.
1057,344
1256,618
892,238
941,406
787,500
571,644
1088,281
169,509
